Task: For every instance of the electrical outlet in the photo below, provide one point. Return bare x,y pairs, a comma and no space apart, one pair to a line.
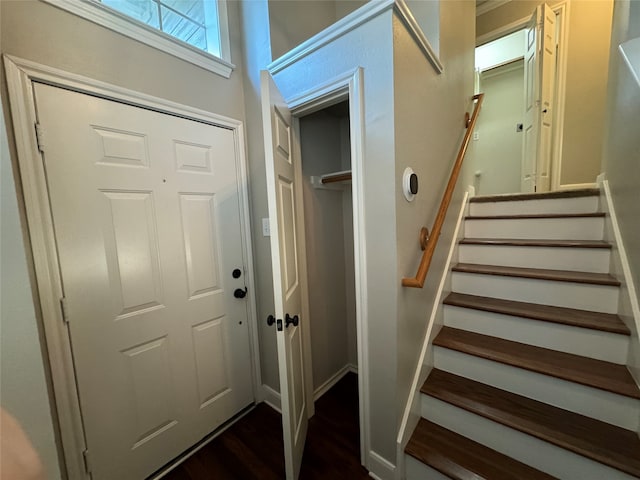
266,228
476,136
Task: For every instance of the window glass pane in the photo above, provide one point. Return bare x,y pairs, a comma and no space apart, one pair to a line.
183,28
192,21
145,11
194,9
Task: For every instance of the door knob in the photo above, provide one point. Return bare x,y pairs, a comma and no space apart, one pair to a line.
289,320
239,293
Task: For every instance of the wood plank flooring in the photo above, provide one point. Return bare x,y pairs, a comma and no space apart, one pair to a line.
252,448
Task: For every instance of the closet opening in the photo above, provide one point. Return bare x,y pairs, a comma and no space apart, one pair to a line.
325,145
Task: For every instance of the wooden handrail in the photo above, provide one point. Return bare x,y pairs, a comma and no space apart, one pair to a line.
427,254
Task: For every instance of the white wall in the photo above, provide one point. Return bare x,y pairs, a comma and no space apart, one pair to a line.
326,242
497,153
370,46
256,49
503,50
23,387
621,154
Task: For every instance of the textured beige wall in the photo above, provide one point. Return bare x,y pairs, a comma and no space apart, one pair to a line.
429,112
587,67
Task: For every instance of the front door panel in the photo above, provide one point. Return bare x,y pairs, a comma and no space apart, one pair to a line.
146,217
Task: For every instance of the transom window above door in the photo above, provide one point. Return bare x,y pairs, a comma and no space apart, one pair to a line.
192,21
193,30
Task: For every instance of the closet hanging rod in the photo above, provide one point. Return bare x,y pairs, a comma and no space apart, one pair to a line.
336,177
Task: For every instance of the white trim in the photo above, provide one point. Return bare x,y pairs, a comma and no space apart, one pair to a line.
405,15
330,383
577,186
350,85
353,368
562,20
621,252
272,398
130,27
380,468
21,74
490,5
352,21
411,414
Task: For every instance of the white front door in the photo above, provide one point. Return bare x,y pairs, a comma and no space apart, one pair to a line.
539,78
288,256
146,218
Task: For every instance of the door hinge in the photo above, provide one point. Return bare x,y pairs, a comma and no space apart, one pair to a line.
87,461
40,137
64,309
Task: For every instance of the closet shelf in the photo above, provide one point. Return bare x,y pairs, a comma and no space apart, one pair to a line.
331,181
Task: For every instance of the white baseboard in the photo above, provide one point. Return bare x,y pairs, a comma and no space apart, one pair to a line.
271,398
411,414
335,378
380,468
353,368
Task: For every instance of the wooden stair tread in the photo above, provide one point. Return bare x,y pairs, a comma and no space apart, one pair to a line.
538,273
605,322
517,242
574,368
613,446
534,216
463,459
510,197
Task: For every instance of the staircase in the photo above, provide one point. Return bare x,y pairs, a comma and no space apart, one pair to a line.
529,377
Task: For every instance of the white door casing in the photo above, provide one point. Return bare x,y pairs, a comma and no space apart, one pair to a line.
287,252
146,215
539,77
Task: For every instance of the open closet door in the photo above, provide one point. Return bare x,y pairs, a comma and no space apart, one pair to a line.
287,254
539,78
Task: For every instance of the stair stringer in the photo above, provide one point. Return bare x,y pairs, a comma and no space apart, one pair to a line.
412,410
628,307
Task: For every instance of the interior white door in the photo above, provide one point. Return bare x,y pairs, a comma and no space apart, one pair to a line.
287,253
539,88
146,218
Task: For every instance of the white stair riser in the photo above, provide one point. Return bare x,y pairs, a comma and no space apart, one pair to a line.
579,228
591,402
416,470
594,260
610,347
548,206
583,296
527,449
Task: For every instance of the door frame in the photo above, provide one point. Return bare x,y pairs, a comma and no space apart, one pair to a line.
346,86
562,11
21,75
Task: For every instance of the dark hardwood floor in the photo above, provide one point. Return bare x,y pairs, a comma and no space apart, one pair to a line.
252,448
